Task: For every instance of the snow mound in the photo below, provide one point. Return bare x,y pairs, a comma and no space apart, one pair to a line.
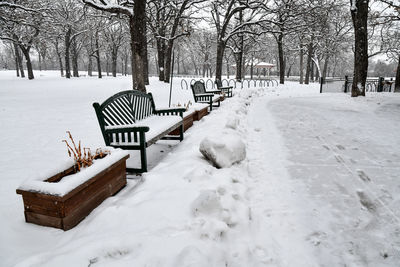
208,202
233,123
223,151
191,256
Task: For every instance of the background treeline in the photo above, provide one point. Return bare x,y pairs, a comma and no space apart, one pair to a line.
304,38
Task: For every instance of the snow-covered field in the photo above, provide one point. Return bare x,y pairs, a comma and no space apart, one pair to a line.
320,185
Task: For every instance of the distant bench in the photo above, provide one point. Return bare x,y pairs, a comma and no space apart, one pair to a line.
201,95
129,120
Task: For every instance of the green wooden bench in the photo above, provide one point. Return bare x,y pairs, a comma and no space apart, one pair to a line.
201,95
226,89
129,120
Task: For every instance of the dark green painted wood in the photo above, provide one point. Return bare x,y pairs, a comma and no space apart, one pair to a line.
125,109
226,89
200,94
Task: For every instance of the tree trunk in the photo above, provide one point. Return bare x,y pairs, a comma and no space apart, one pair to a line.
281,59
126,63
205,63
334,67
312,71
75,56
359,15
145,55
161,61
67,45
309,62
288,72
178,67
114,59
59,59
40,61
107,65
137,25
25,51
168,60
90,66
19,61
44,56
252,67
397,82
98,59
325,70
16,65
220,57
301,64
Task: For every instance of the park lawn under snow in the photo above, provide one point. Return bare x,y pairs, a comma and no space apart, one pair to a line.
320,184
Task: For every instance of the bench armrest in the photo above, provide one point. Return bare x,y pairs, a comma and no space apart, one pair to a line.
225,88
205,95
127,129
214,92
170,111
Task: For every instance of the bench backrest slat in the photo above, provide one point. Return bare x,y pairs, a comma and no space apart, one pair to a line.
198,88
127,107
124,108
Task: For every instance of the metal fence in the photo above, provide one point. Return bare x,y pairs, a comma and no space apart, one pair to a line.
246,83
343,85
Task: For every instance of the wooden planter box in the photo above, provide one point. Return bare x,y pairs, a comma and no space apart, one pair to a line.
187,122
200,113
66,211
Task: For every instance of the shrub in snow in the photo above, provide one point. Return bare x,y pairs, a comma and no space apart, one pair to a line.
223,151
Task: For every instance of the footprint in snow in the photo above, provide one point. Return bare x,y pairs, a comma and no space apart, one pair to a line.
340,147
366,201
326,147
363,176
339,159
316,237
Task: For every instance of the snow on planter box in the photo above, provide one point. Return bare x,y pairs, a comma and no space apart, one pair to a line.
201,111
187,121
67,197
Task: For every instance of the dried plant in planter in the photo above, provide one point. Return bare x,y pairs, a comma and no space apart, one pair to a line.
186,106
85,158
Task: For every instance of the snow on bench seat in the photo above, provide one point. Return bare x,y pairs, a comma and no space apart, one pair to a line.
157,125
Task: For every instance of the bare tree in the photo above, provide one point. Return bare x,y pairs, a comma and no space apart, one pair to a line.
135,11
359,15
20,24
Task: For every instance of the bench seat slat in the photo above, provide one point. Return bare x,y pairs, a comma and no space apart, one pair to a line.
155,123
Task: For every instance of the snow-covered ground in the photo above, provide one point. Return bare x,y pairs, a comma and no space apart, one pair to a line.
320,185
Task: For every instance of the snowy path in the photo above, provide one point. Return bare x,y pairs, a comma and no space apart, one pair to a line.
277,221
348,160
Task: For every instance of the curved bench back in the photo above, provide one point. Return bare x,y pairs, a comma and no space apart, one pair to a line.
198,88
124,108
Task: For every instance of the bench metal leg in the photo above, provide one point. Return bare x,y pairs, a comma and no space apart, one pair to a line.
181,132
143,159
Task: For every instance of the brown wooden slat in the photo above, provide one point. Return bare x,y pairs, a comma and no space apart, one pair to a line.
67,211
44,220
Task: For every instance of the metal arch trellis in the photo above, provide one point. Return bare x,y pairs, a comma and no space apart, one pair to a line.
234,83
207,83
226,81
183,81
